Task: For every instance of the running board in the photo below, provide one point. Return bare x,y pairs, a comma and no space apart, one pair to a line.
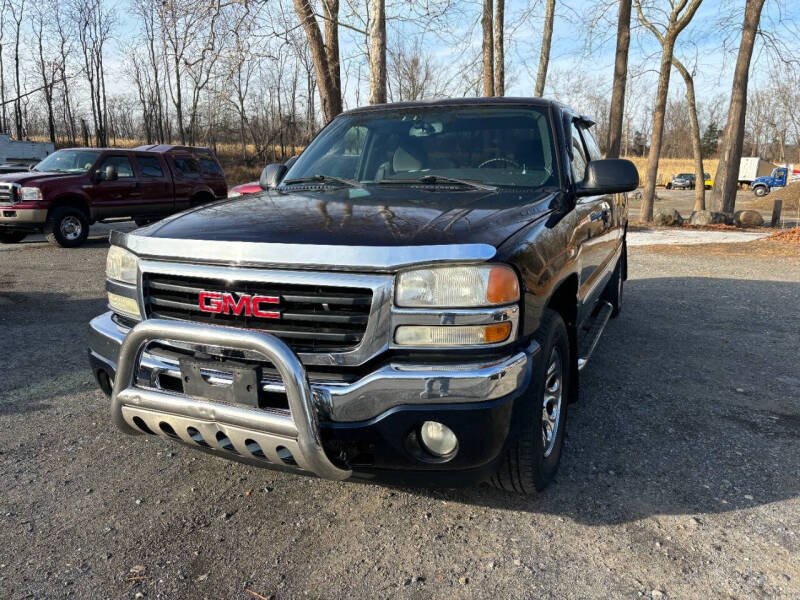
593,333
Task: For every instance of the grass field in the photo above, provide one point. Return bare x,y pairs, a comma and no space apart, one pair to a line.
669,167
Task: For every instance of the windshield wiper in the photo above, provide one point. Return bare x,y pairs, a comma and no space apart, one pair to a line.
442,179
325,179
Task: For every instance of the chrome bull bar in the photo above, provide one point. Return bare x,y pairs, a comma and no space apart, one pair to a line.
300,433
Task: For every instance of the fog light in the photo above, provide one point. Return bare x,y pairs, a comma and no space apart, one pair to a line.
437,438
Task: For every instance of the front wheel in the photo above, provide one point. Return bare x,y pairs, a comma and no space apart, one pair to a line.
760,190
68,227
12,237
531,459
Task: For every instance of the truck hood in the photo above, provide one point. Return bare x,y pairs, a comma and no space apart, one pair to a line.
377,216
33,177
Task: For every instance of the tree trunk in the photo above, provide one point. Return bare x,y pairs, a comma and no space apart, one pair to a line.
547,38
488,49
329,91
377,52
646,213
723,197
614,139
499,48
332,50
697,147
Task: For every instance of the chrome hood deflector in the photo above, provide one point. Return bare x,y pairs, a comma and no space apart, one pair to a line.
300,256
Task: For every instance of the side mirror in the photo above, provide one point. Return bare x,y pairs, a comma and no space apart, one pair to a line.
110,173
608,176
271,176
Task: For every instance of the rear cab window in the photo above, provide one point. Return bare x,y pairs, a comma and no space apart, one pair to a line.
149,166
186,165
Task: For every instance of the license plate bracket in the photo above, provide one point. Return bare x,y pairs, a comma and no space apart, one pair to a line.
245,388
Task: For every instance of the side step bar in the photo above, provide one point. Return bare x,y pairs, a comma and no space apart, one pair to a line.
593,333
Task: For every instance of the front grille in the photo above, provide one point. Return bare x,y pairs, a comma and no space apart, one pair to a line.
8,194
313,318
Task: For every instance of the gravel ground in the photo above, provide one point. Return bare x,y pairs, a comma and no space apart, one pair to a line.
680,477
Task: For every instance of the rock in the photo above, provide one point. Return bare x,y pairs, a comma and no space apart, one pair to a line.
657,594
139,595
463,580
709,217
137,569
667,217
748,218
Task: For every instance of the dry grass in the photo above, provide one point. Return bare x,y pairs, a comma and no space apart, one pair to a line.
758,248
669,167
790,196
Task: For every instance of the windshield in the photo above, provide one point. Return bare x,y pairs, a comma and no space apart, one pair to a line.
492,145
68,161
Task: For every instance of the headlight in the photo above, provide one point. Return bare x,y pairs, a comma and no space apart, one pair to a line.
457,287
121,265
234,194
30,194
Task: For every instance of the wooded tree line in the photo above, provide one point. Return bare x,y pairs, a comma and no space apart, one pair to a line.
268,75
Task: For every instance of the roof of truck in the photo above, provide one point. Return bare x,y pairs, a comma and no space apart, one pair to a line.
479,101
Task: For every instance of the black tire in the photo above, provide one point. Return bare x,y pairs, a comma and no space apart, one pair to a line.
614,288
66,226
12,237
760,191
527,465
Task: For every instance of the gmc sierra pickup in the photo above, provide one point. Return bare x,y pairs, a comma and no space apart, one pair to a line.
71,189
412,300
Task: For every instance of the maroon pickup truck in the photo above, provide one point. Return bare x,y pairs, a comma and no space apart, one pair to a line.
71,189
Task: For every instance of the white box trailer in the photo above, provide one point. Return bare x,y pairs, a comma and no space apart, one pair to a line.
24,152
751,167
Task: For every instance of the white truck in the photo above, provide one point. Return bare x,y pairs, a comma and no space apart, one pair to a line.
751,168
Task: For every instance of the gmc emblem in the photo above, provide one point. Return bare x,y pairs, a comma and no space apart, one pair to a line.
227,304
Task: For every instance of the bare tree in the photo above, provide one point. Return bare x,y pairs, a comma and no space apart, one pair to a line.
544,56
614,138
723,197
678,18
325,53
17,10
499,48
377,52
487,48
697,148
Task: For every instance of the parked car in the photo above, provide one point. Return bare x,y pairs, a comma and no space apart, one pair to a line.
244,188
413,300
71,189
682,181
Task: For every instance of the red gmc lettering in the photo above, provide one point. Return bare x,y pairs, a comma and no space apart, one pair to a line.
226,303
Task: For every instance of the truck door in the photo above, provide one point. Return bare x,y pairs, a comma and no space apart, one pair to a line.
186,171
118,198
595,233
156,185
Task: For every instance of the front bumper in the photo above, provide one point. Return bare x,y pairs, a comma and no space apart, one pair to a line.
364,426
13,217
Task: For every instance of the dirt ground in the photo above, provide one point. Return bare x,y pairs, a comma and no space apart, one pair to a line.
680,476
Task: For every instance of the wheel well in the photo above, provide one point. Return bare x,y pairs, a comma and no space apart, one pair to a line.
73,202
201,198
564,301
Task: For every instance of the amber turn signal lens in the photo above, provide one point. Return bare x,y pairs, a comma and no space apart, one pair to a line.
503,286
493,334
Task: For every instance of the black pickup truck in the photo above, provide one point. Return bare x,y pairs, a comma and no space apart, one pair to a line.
412,300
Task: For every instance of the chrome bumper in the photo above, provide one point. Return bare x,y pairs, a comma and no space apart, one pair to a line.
137,369
249,432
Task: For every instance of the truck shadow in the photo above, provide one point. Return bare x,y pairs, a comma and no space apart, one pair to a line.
43,347
690,405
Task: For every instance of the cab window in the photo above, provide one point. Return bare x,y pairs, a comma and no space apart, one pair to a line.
122,163
578,156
